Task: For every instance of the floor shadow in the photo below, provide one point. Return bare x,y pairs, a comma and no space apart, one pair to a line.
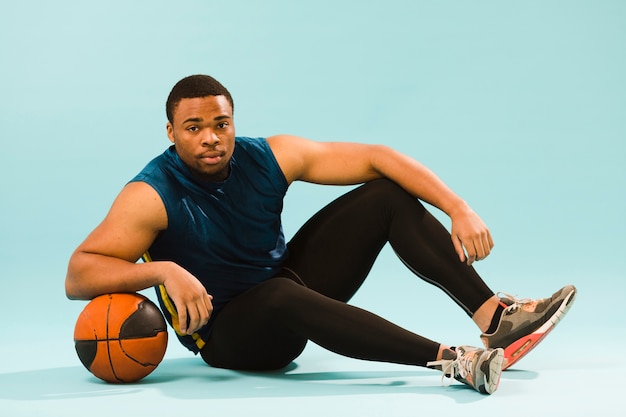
189,378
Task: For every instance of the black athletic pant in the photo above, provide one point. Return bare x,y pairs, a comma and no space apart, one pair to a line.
268,326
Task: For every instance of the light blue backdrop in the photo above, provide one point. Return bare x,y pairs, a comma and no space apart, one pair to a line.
519,106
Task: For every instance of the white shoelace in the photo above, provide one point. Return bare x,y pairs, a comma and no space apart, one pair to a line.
517,302
447,367
450,368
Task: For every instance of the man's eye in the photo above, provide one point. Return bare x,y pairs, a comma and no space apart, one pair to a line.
192,128
222,125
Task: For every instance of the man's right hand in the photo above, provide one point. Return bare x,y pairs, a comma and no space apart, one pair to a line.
193,304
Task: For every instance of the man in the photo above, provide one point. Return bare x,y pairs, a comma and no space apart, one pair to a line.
205,216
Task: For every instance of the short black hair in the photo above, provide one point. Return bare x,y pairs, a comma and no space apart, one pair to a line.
195,86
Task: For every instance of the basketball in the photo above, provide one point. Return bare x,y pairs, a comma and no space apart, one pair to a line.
120,337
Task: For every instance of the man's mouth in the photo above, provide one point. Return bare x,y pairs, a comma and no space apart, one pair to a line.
211,157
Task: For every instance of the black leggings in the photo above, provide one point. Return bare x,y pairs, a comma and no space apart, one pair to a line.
268,326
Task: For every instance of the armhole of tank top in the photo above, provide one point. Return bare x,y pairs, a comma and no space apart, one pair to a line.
272,157
163,201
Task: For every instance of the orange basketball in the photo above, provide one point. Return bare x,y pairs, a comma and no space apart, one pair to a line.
120,337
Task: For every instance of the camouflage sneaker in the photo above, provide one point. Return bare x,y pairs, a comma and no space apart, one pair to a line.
526,322
476,367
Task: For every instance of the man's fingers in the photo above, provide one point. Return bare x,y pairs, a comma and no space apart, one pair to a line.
490,241
182,319
195,315
471,255
475,251
208,304
458,247
194,319
484,246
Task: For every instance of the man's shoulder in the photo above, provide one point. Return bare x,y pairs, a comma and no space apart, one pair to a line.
156,164
140,200
255,147
248,142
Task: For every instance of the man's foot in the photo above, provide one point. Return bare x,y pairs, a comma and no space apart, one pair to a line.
478,368
524,323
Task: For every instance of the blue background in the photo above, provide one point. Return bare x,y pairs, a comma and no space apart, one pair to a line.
519,106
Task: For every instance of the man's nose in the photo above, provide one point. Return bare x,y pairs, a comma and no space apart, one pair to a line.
209,137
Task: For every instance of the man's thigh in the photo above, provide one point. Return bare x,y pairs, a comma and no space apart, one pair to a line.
248,334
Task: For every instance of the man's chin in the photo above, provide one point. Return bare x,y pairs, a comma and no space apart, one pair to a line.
216,175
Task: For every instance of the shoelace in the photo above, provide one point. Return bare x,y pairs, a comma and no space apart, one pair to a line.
515,302
460,366
447,367
464,363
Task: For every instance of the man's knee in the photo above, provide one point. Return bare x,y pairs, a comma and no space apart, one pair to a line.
279,293
391,195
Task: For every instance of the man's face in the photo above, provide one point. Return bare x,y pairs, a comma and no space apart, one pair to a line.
203,132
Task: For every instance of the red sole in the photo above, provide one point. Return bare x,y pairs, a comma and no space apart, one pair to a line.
520,348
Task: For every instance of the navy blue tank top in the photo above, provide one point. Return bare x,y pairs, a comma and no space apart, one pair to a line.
227,234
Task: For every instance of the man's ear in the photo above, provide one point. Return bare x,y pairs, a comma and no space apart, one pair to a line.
170,131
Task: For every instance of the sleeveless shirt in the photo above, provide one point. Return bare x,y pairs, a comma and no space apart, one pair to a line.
227,234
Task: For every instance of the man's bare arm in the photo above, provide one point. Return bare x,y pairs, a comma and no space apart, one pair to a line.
353,163
106,261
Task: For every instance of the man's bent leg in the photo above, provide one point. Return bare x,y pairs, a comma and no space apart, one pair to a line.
335,250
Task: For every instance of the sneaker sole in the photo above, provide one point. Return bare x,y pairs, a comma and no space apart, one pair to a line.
492,369
521,347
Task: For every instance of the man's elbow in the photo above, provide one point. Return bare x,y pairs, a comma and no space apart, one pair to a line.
72,291
73,288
